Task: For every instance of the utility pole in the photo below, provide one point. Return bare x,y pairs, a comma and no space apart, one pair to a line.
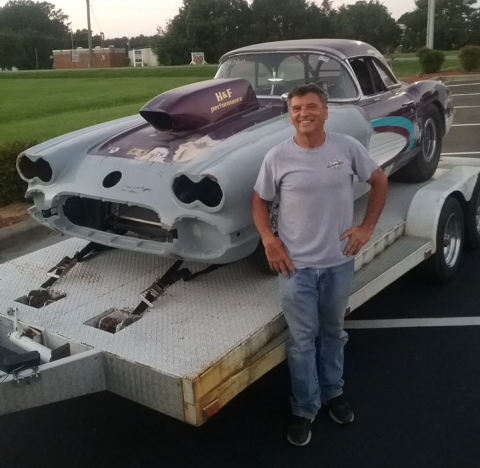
430,23
90,51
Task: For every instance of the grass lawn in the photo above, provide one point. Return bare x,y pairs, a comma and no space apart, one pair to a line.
412,67
38,106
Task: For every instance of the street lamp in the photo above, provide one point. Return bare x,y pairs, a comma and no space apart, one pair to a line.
430,23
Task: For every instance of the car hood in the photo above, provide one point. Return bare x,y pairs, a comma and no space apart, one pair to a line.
186,123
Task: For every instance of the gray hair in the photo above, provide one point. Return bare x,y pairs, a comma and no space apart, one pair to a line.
308,88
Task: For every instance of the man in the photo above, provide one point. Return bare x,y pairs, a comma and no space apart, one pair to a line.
311,175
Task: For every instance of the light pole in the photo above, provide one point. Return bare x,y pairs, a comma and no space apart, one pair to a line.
430,23
71,36
90,51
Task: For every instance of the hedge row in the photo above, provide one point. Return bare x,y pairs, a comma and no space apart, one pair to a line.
12,188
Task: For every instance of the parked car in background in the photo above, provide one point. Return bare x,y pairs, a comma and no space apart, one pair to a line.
177,179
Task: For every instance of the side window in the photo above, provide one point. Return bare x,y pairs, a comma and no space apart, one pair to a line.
385,74
368,76
332,76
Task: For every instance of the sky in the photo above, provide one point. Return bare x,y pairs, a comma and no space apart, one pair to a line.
117,18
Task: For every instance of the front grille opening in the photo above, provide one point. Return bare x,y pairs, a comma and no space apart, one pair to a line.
39,168
121,219
206,191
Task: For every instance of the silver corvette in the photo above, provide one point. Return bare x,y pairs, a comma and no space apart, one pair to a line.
177,179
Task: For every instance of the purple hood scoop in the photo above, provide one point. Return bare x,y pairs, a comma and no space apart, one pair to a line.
199,105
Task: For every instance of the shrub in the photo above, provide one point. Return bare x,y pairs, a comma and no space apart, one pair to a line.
431,60
12,188
470,57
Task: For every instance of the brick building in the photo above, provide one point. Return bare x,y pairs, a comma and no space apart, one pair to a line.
102,57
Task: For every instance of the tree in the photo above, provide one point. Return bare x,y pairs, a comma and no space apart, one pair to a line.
211,26
11,50
38,27
326,7
276,20
368,21
455,24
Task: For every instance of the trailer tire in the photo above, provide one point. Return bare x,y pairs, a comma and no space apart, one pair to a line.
472,219
425,162
450,238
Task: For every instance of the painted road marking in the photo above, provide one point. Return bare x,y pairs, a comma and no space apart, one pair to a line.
461,152
466,125
466,84
466,107
469,94
413,323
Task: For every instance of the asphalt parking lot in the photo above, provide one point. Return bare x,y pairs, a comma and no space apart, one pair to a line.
464,137
414,387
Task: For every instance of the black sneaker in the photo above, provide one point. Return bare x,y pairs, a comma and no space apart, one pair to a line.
299,432
339,410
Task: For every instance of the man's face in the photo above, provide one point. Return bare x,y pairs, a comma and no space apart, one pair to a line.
308,114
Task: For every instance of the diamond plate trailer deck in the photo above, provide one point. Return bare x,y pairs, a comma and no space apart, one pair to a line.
205,340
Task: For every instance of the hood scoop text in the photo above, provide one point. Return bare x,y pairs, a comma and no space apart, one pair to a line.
199,105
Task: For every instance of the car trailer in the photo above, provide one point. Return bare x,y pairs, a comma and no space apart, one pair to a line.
184,340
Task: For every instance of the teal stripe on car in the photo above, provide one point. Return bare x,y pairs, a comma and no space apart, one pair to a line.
401,122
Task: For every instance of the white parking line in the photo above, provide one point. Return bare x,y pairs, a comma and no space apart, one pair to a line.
461,152
466,107
413,323
466,125
466,84
469,94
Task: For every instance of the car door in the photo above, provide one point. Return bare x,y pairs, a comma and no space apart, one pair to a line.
390,110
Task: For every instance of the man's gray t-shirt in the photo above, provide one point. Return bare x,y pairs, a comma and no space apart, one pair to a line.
315,194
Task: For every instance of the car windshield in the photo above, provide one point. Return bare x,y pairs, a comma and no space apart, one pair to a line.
273,74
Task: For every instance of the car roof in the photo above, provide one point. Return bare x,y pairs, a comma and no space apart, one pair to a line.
342,48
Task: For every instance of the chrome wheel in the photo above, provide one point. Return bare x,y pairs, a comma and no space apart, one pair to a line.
452,239
429,139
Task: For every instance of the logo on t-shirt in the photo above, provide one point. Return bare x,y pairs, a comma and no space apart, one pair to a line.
334,164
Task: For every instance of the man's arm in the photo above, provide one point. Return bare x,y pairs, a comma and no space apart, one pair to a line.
277,257
360,235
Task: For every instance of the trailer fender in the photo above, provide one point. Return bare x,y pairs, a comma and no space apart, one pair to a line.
424,210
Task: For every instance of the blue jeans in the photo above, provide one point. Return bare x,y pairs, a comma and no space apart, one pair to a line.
314,301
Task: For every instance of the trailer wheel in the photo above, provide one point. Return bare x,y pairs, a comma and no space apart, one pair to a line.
472,219
450,237
425,162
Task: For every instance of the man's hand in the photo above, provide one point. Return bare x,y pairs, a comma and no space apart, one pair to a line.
277,257
357,236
